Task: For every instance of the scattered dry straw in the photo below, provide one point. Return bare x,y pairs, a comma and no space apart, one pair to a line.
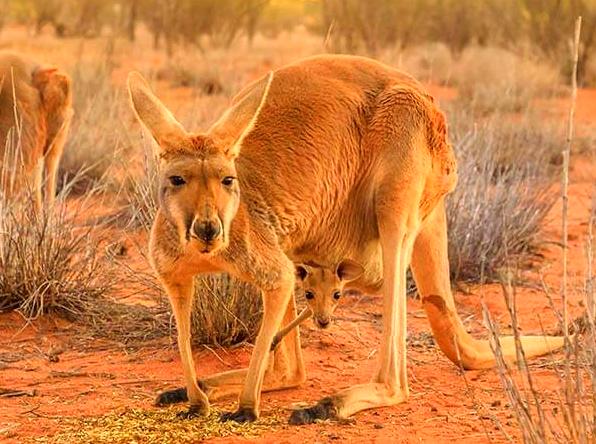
158,426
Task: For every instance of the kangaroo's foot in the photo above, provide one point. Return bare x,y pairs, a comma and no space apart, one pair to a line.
177,395
349,401
243,414
193,412
326,408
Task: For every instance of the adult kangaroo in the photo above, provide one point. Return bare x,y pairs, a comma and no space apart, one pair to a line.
328,158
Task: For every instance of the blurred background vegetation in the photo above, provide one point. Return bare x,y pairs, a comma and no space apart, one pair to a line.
539,27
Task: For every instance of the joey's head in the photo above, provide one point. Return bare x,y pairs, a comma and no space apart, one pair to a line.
199,191
323,287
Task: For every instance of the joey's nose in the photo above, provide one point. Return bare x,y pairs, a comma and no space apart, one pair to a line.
206,230
323,323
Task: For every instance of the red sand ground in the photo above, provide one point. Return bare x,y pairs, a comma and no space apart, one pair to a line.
99,377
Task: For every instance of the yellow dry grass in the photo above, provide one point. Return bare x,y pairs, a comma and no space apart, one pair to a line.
158,426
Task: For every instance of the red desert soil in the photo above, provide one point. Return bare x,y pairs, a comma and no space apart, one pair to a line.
95,377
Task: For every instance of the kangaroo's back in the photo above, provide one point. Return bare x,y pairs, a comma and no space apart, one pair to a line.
20,107
312,159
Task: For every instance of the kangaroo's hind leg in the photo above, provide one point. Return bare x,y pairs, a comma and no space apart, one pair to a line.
430,266
398,226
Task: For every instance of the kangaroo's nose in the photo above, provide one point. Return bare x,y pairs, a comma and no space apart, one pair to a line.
206,230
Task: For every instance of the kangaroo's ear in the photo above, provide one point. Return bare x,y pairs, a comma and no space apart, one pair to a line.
160,122
239,120
348,270
302,271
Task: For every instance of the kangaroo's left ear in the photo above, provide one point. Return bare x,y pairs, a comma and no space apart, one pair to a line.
239,120
348,270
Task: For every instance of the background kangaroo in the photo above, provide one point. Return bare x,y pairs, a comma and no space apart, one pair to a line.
326,158
35,115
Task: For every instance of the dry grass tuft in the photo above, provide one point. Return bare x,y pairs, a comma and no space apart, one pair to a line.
50,262
158,426
504,192
57,261
572,419
226,311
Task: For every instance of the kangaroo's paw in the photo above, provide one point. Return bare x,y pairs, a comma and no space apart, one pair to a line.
173,396
324,409
194,411
243,414
177,395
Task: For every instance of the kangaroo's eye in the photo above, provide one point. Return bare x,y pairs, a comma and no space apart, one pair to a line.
309,295
177,181
337,295
228,180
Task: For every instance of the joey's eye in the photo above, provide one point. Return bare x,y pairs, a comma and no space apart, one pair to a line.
337,295
228,180
177,181
309,295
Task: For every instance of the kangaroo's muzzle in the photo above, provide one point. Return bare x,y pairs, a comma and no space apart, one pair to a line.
207,230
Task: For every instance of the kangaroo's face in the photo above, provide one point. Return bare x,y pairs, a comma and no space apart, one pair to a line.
323,288
200,196
199,190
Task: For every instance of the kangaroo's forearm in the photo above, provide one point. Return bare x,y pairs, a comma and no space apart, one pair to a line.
305,314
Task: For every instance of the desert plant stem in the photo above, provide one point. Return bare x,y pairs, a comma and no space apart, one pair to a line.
591,306
565,204
565,185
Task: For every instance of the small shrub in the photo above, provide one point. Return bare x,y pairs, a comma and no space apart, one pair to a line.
204,79
226,311
49,262
493,79
431,62
503,195
140,194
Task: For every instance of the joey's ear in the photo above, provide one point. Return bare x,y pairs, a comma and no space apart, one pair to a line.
302,271
239,120
160,122
348,270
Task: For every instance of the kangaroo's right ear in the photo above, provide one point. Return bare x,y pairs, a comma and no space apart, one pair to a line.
160,122
301,271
